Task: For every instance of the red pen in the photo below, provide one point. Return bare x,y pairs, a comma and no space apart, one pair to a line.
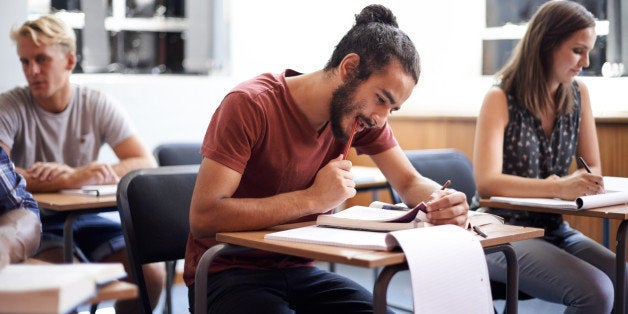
348,146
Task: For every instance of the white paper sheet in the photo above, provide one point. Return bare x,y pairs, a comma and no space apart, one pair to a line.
448,270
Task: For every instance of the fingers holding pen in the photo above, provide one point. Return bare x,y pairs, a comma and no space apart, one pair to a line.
447,207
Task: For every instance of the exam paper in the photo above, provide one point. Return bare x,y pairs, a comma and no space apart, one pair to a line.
448,270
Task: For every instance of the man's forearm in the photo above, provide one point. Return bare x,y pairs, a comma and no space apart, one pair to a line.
20,231
129,164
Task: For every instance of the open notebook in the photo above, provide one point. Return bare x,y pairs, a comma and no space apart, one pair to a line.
616,193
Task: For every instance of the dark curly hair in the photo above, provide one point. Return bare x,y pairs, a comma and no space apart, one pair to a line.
377,39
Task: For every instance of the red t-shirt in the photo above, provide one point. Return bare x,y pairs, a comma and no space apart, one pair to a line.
259,132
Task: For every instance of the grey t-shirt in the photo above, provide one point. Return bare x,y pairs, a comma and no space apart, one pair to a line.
73,137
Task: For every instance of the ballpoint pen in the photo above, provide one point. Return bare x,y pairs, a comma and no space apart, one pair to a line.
583,164
480,232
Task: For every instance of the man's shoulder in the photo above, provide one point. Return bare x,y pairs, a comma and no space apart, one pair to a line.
15,99
20,93
260,84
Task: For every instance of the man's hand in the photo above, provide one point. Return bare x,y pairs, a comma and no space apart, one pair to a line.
94,173
447,207
46,171
333,184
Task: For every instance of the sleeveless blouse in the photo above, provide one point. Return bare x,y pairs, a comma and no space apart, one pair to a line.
528,152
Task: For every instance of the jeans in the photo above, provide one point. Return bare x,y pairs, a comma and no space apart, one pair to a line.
575,271
287,290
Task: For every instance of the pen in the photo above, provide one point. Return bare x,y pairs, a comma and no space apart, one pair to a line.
479,231
348,146
446,185
583,164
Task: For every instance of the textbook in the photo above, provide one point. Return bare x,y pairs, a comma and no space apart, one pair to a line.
387,217
94,190
581,203
53,288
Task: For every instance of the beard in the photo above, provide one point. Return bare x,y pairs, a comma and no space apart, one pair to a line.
340,106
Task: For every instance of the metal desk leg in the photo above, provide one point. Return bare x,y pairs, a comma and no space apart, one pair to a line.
620,257
381,286
512,275
68,238
606,230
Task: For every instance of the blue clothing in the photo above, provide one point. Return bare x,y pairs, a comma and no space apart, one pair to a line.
564,266
284,291
13,194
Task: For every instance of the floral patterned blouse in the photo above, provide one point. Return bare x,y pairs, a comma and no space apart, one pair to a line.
528,152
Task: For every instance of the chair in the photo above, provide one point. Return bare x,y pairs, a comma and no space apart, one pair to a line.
154,208
441,165
174,154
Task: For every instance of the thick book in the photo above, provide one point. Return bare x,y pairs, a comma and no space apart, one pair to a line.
53,288
94,190
386,217
581,203
376,218
370,227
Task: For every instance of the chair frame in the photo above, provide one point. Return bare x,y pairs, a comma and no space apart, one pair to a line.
139,252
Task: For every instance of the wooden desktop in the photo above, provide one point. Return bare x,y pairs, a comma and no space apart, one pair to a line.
616,212
498,238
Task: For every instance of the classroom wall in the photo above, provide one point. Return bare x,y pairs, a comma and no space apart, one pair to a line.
273,35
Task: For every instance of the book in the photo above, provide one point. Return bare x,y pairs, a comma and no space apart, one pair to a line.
380,216
581,203
376,218
370,227
94,190
53,288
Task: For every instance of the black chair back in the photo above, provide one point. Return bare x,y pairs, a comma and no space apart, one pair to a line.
154,207
174,154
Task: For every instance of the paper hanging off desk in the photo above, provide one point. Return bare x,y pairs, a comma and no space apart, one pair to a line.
448,270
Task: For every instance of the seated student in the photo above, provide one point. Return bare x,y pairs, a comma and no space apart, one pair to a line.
283,162
532,125
20,228
53,131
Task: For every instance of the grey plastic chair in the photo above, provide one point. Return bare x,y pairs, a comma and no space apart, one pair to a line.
441,165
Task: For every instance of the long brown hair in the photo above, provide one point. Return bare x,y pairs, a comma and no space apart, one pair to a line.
526,75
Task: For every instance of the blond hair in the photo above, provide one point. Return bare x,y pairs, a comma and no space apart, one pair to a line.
47,30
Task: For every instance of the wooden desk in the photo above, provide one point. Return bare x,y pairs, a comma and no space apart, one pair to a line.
618,212
77,205
498,238
117,290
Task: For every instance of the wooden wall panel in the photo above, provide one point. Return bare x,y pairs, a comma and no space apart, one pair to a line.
459,133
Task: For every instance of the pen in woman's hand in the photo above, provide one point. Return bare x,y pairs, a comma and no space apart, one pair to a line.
583,164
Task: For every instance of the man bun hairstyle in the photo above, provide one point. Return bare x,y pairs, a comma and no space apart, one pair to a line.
377,39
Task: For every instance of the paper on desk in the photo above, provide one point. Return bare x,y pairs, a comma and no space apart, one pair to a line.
448,270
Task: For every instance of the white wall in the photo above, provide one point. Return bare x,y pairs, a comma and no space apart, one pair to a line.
272,35
11,13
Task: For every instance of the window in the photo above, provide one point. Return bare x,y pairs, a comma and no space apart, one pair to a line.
506,22
145,36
